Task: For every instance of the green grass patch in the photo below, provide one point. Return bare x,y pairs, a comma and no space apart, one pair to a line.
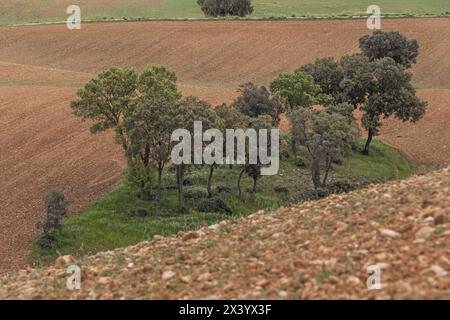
384,163
106,225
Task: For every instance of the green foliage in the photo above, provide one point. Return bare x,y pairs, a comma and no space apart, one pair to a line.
299,90
158,83
255,101
391,94
215,204
302,162
56,208
144,110
116,93
107,98
344,109
327,136
195,192
358,79
140,176
105,225
376,81
285,146
393,45
231,117
328,74
222,8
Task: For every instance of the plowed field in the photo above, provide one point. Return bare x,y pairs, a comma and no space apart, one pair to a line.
44,146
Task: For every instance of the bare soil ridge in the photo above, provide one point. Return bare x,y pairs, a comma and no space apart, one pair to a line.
315,250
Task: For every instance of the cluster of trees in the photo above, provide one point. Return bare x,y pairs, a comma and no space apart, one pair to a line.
376,81
145,109
221,8
319,99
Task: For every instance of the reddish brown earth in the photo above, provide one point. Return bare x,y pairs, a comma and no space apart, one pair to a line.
45,146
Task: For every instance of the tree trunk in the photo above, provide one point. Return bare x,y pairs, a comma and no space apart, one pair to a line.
324,182
180,180
144,195
158,188
255,180
315,173
294,148
239,183
369,140
211,172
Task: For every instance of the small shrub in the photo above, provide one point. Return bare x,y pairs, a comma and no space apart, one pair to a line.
301,162
281,189
223,189
169,181
195,192
215,204
138,213
56,208
285,147
188,182
222,8
139,176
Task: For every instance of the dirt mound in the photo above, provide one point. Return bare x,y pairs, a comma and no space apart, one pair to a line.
316,250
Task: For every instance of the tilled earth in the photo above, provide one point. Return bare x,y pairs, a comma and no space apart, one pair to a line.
315,250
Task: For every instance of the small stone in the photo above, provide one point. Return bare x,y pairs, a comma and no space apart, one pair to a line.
374,224
29,291
204,277
103,280
192,235
282,294
168,275
262,283
148,267
352,280
186,279
340,226
381,256
383,265
424,232
438,271
130,265
390,233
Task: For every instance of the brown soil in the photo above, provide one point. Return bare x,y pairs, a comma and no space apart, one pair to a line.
317,250
45,146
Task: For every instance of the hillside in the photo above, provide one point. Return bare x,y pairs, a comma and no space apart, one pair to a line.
41,67
35,11
315,250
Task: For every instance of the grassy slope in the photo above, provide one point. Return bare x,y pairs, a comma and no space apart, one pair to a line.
26,11
105,226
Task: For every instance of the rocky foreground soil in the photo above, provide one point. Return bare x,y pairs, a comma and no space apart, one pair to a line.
315,250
